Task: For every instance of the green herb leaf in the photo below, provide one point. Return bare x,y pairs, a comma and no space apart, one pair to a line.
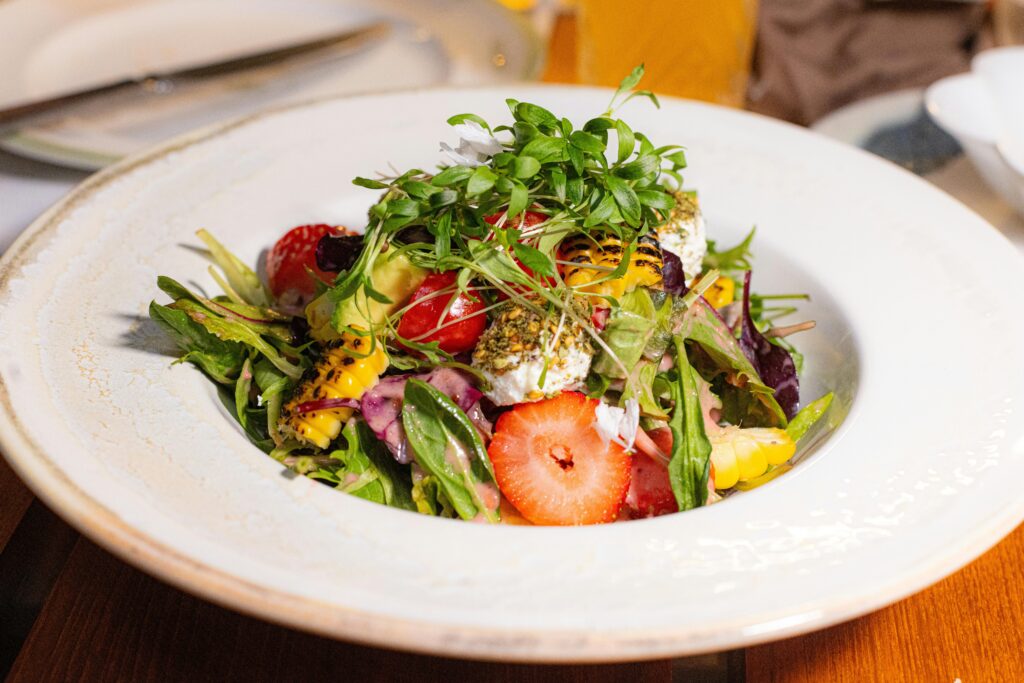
629,82
240,277
587,142
534,259
645,165
545,149
518,199
526,167
481,181
370,183
462,118
626,140
625,197
242,386
602,213
451,176
537,115
237,331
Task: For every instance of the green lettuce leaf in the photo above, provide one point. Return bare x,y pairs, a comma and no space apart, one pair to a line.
701,325
689,466
220,359
366,469
627,333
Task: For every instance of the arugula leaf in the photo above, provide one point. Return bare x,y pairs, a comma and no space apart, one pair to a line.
689,466
221,360
730,261
808,417
446,444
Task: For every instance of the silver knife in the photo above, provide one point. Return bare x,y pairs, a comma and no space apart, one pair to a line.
350,39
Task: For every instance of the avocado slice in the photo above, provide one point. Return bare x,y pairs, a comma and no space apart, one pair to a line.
393,275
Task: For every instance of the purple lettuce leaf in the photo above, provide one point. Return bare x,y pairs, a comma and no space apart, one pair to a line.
672,277
381,406
773,363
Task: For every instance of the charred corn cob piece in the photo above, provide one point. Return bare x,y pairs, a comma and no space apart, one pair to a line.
741,454
607,251
722,292
343,371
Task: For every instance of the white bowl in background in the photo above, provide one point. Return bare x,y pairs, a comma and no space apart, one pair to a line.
976,108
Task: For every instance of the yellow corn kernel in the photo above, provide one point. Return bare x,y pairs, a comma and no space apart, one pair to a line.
722,292
606,250
342,371
740,454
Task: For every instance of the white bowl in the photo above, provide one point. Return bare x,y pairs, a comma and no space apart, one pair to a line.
919,331
976,107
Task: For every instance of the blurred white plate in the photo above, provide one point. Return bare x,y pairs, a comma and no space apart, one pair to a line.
50,46
917,302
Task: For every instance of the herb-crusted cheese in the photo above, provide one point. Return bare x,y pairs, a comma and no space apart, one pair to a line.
684,234
520,344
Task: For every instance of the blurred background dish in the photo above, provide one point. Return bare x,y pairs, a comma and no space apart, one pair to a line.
47,47
981,110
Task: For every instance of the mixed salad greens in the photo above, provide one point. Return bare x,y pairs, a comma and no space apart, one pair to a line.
538,332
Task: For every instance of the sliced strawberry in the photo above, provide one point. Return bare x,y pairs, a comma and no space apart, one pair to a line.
552,465
650,493
289,259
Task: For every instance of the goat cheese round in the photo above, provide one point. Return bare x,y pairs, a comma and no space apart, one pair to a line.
520,343
685,234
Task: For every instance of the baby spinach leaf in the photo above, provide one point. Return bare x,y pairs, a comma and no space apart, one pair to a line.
446,444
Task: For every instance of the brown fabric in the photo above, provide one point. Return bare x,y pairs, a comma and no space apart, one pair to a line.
814,56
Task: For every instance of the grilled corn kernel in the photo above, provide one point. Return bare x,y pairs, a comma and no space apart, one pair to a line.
722,292
606,251
342,371
743,454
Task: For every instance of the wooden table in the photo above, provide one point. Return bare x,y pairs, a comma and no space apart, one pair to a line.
70,611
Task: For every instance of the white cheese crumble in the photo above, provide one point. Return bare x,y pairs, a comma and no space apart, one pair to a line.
685,235
522,382
618,424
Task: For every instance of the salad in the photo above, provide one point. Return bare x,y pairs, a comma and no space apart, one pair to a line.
536,332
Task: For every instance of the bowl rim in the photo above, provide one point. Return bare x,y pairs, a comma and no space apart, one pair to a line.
99,523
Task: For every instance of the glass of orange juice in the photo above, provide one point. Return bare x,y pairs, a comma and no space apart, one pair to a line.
690,48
